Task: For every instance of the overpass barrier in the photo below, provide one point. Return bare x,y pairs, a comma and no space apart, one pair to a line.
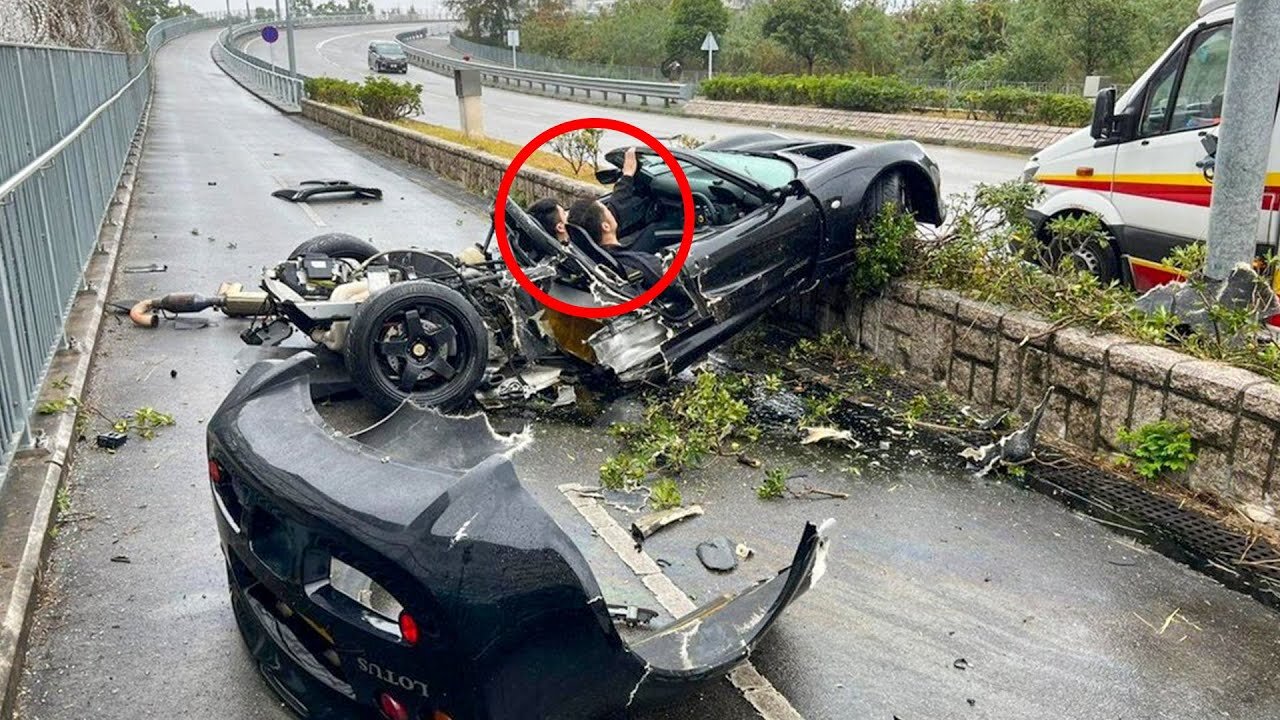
273,82
67,123
547,82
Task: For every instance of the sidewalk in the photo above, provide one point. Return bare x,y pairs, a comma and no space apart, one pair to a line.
984,134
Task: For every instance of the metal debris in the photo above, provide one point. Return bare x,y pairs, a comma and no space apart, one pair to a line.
1015,448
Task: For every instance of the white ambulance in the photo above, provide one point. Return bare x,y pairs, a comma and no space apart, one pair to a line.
1140,166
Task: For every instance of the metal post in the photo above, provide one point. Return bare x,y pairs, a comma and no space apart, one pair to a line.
1248,112
228,15
288,31
278,15
710,73
248,14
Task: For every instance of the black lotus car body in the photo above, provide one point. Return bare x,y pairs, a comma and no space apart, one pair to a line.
775,217
406,573
387,56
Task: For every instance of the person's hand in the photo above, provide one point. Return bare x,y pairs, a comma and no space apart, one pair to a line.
629,163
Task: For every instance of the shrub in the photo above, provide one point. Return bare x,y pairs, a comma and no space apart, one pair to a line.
883,246
384,99
331,90
1159,447
1067,110
889,94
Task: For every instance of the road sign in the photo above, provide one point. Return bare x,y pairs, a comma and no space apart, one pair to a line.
513,37
710,45
270,34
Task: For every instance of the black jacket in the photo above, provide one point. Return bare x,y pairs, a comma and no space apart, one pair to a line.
628,209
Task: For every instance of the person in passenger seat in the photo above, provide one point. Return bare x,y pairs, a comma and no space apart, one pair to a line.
553,218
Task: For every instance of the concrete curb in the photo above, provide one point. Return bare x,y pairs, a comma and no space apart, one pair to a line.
28,497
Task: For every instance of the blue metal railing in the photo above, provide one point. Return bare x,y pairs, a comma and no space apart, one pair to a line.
67,122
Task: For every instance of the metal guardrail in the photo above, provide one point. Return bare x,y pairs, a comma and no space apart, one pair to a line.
564,66
496,75
274,82
67,122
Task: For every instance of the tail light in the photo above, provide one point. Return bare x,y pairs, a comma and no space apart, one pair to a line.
409,628
215,472
391,708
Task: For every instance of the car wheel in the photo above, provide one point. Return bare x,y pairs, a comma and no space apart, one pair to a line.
418,340
889,189
1098,260
338,246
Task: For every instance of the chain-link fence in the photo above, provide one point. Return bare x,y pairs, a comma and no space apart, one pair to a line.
98,24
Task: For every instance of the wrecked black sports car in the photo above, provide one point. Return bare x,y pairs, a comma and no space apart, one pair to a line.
775,217
406,573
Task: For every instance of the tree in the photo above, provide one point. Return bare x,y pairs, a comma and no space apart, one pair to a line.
812,29
875,38
691,20
142,14
486,19
551,28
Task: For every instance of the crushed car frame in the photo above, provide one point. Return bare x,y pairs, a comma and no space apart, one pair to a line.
775,217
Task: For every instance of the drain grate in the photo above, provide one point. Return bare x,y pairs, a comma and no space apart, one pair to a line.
1250,565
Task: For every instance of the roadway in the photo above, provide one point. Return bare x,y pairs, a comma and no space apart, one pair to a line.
1048,610
519,117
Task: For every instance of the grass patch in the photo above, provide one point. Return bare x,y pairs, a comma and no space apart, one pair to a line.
503,149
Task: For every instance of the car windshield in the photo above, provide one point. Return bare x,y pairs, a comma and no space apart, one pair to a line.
767,171
388,49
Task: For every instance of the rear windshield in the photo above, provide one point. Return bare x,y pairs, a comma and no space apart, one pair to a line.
388,49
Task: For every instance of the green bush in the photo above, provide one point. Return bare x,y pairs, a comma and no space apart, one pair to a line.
1158,448
331,90
1067,110
384,99
889,94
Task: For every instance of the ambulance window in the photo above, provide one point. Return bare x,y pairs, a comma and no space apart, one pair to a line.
1199,102
1155,110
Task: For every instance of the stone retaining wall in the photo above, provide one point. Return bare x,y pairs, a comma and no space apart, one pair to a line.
1012,137
997,358
477,171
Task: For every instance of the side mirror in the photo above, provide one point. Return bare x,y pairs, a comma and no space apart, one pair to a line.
1209,142
608,175
1104,114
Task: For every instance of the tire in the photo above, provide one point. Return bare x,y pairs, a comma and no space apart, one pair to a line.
1098,260
888,189
448,352
338,246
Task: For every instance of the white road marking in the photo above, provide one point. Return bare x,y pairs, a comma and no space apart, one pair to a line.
756,688
320,45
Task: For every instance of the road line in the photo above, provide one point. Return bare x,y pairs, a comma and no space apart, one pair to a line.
755,688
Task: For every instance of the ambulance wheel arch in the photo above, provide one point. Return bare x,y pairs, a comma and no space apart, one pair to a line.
1104,262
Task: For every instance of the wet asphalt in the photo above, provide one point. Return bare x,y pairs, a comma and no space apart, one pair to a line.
946,596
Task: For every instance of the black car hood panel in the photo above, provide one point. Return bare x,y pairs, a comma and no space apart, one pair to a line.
431,506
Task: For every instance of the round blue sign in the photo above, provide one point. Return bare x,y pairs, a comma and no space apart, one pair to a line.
270,33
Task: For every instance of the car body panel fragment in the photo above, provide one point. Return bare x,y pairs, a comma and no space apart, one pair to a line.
428,510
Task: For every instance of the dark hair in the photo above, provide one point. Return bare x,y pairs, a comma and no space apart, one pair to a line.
545,211
588,214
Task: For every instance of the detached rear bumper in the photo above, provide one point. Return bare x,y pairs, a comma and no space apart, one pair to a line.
429,507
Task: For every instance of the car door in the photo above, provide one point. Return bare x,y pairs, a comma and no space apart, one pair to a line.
1161,196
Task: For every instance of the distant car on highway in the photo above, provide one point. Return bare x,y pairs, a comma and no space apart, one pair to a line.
385,56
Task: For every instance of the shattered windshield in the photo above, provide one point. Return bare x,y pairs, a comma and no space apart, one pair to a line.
769,172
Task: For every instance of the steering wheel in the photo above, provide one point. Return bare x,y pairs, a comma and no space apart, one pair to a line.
704,211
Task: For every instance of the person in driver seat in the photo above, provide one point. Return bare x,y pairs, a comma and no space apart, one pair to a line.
600,224
628,208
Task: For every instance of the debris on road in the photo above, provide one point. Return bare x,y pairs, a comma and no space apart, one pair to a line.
718,555
122,559
646,525
112,440
632,616
152,268
308,189
960,664
826,433
1016,448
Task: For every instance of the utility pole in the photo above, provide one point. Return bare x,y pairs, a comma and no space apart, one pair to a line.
288,31
278,15
1248,117
228,14
248,14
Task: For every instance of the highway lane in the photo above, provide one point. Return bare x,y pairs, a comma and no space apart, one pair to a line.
519,117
